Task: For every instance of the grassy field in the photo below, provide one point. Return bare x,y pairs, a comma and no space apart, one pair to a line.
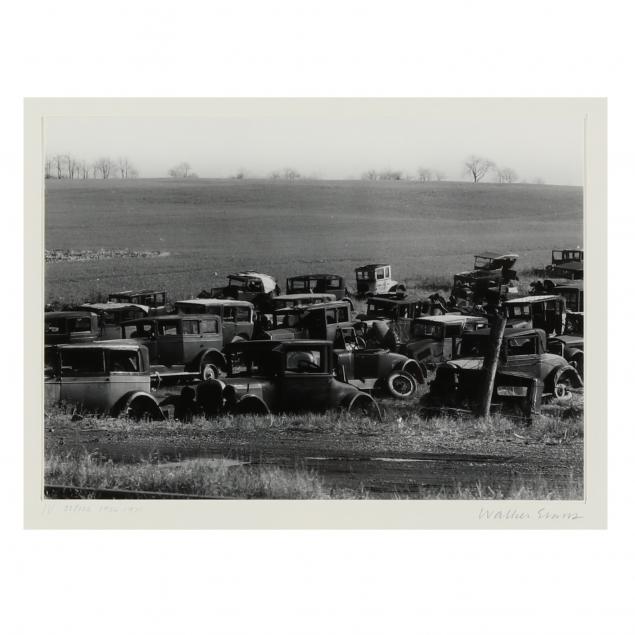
205,229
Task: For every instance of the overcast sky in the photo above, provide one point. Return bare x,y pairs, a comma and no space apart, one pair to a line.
339,138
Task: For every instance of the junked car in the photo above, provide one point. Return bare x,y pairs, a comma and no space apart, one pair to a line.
566,263
571,347
237,315
379,371
180,346
155,300
375,279
109,377
573,294
70,327
492,277
437,338
112,314
290,300
287,376
254,287
318,283
546,312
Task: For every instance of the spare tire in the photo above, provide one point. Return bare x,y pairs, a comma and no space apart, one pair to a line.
401,384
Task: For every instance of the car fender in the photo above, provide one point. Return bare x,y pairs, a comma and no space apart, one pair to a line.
415,369
250,404
213,355
566,372
127,400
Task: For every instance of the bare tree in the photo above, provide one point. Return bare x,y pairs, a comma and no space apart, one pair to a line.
538,181
125,168
290,174
58,162
390,175
507,175
103,167
48,167
478,167
370,175
424,174
71,166
84,169
439,175
181,171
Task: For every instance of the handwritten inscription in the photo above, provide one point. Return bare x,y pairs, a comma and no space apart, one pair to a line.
515,514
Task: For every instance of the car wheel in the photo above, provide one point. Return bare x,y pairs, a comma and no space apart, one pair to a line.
401,384
250,405
143,410
209,371
365,406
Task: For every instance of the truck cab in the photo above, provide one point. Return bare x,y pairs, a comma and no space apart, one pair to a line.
375,279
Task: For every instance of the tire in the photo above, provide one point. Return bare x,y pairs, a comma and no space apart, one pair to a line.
364,405
144,410
250,405
401,384
209,371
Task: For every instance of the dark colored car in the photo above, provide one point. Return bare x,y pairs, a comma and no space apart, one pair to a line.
288,376
70,327
109,377
566,263
435,339
180,346
154,299
237,315
491,278
546,312
112,314
522,351
318,283
251,286
571,347
291,300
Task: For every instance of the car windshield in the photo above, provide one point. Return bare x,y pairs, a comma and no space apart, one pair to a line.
138,330
473,346
427,329
287,319
380,309
518,310
303,361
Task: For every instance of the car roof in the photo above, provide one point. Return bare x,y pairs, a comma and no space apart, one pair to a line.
574,284
576,265
316,275
118,345
372,266
532,298
449,318
494,255
65,314
137,292
508,334
114,306
215,302
311,307
303,296
171,316
268,282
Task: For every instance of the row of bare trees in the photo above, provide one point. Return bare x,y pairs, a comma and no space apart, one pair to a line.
66,166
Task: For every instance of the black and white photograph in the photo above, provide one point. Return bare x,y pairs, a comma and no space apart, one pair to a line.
316,299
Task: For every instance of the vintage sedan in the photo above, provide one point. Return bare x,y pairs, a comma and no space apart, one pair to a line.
318,283
546,312
112,314
571,347
155,300
109,377
251,286
180,346
70,327
290,376
290,300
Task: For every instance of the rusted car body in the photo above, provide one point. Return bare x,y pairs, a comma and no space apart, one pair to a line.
375,279
380,371
251,286
566,263
491,278
155,300
522,351
318,283
180,346
237,315
112,314
108,377
435,339
573,294
324,321
290,376
70,327
546,312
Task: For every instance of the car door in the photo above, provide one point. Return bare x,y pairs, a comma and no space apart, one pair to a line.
192,341
83,379
125,373
521,355
169,342
304,385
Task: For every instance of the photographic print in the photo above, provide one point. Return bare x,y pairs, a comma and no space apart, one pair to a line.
316,299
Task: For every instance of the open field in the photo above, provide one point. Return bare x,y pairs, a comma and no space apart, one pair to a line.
205,227
324,456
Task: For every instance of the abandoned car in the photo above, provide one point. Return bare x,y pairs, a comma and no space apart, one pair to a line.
288,376
180,346
376,279
254,287
318,283
571,347
324,321
522,351
435,339
153,299
112,314
566,263
107,377
237,315
491,278
546,312
379,371
69,327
